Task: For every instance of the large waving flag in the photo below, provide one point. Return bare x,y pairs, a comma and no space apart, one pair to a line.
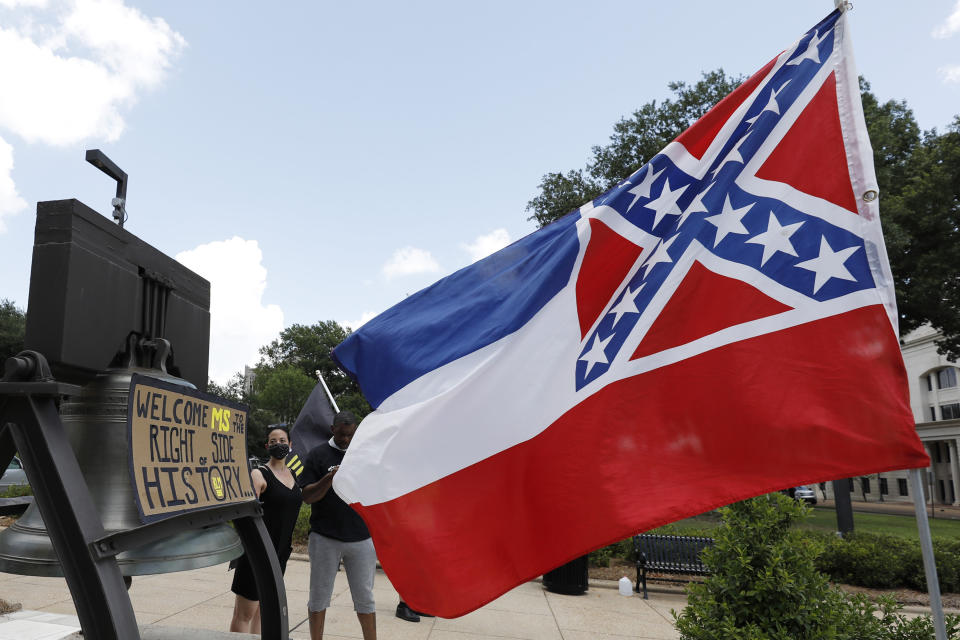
720,325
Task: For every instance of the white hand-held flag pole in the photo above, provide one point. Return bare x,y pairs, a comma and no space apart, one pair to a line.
333,403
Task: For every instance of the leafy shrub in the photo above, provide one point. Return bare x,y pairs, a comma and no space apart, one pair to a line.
867,560
301,530
946,552
865,620
622,550
763,583
17,491
883,561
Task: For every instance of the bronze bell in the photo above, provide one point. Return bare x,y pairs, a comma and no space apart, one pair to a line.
96,424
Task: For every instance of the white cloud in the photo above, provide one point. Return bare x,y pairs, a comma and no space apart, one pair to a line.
10,201
951,25
239,321
27,3
482,246
79,63
365,317
410,261
950,73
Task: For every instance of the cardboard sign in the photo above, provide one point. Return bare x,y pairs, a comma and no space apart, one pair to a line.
188,450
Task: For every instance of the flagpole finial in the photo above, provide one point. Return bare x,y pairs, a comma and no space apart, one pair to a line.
842,5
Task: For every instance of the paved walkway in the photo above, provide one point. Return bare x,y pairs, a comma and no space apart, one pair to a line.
201,599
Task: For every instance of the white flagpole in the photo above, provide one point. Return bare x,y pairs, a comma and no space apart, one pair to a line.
926,546
333,403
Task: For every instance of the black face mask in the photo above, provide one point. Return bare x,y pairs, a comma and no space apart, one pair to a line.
279,450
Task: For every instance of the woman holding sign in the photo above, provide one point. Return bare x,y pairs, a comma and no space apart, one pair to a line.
280,496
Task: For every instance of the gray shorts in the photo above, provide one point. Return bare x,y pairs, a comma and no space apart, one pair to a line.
359,561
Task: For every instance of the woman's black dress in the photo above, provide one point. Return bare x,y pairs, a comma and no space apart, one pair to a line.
280,509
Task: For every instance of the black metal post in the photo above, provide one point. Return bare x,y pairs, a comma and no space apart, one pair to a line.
96,585
100,160
274,616
841,502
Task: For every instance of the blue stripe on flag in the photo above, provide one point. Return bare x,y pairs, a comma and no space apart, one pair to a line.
461,313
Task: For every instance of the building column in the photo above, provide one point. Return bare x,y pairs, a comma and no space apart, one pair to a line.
928,487
954,470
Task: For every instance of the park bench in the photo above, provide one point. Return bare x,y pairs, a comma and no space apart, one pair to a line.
668,554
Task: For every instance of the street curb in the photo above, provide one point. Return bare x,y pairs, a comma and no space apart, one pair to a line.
920,609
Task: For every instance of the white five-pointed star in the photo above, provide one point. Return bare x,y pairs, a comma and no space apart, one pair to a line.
812,52
776,238
695,206
728,221
595,354
659,255
627,304
642,190
666,202
772,104
829,264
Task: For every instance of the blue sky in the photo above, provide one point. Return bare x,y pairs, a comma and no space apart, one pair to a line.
322,160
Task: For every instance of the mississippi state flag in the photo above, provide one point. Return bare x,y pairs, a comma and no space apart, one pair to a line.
720,325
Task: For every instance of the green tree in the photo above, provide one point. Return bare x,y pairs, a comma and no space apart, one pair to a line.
307,348
258,419
634,142
920,209
918,174
283,391
13,326
232,390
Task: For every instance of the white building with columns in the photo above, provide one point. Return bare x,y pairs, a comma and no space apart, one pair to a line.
935,400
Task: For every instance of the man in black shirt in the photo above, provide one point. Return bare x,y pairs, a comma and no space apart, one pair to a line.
336,532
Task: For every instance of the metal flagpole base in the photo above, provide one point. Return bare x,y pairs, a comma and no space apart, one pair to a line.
926,546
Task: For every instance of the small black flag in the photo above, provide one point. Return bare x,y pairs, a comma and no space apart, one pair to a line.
312,428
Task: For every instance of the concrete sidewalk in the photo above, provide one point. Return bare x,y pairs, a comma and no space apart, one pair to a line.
201,599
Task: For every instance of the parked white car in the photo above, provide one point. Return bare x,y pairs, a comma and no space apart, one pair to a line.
14,475
806,494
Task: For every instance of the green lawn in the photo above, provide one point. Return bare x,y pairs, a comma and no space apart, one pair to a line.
825,519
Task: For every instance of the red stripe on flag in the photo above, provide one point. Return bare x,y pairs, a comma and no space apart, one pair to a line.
818,169
742,420
698,137
723,302
606,262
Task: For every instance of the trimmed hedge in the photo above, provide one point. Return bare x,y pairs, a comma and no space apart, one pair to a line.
17,491
887,562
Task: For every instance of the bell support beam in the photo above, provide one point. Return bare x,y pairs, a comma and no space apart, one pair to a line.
96,585
274,616
8,448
